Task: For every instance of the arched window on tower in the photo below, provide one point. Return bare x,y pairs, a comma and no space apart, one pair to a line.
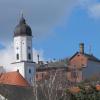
17,56
29,56
30,71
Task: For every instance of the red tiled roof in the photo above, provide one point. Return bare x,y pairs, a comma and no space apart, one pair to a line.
13,78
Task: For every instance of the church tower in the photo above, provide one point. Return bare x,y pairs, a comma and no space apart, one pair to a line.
23,50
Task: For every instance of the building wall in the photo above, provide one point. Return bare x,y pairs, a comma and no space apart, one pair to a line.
47,73
42,75
30,72
79,61
20,67
92,68
75,66
23,46
23,62
74,78
26,69
2,69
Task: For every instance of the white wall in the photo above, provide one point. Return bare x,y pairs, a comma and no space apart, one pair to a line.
2,69
24,68
20,67
21,47
30,75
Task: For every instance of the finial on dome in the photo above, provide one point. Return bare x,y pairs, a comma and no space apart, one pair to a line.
22,19
21,13
22,29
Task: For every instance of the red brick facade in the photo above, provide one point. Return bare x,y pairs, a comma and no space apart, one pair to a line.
76,63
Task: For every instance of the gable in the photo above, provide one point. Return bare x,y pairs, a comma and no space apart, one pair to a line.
78,60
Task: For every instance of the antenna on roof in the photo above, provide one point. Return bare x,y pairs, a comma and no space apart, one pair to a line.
90,49
38,57
21,13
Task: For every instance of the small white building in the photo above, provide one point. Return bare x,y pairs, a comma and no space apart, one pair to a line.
23,51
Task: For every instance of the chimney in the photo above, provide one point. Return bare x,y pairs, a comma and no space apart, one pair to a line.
82,48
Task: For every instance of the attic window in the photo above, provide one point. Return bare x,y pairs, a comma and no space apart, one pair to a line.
78,55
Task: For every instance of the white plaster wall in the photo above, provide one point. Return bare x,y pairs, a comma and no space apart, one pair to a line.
2,70
30,76
24,68
21,46
91,69
20,67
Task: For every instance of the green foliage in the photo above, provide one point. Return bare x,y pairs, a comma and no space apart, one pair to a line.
86,93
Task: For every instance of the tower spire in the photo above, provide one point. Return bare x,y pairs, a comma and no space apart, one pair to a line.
23,53
21,14
22,19
90,49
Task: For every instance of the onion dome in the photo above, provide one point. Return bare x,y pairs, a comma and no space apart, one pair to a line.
22,29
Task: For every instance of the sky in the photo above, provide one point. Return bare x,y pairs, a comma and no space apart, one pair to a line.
58,26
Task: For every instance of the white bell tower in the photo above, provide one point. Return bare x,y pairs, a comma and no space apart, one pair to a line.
23,51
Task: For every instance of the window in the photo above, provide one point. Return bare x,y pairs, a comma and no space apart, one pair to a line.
42,75
78,55
17,48
36,75
74,73
17,56
29,56
30,80
29,70
29,48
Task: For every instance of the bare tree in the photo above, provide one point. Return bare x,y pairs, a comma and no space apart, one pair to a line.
52,88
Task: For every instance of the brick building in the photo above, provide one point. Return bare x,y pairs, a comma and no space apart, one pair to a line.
82,66
46,71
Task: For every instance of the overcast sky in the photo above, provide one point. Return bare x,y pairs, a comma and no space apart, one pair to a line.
58,26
